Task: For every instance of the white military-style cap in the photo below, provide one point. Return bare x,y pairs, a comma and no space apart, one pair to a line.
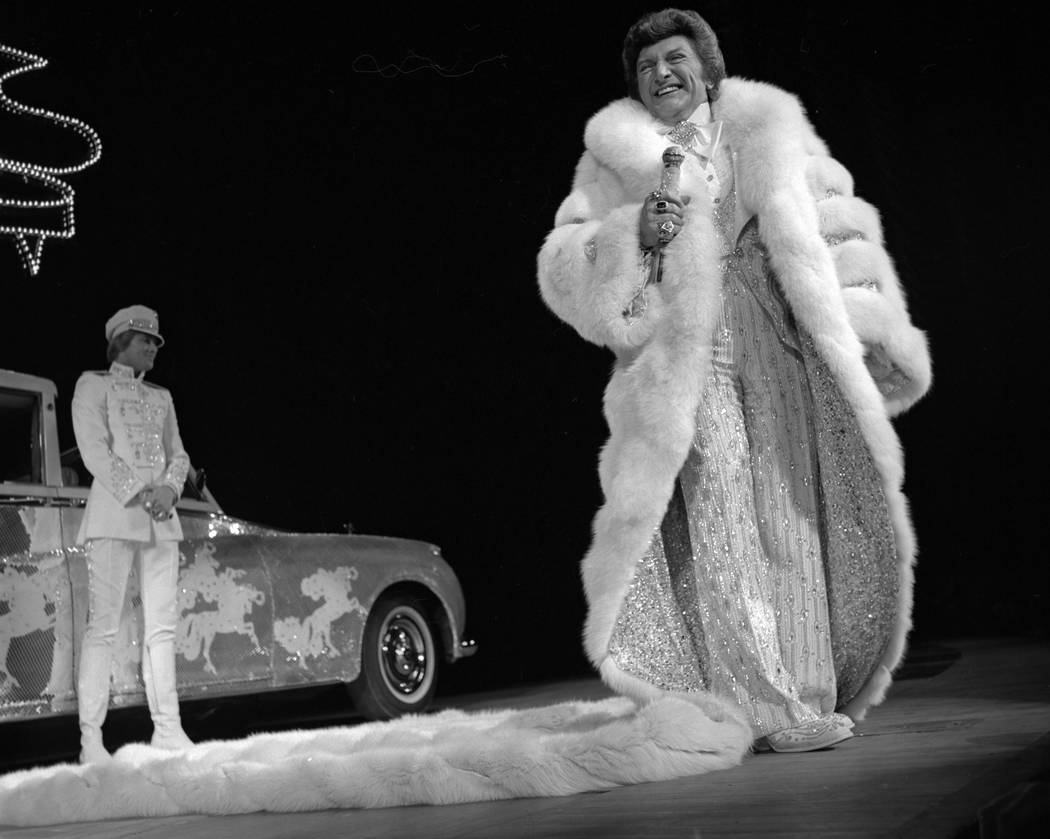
139,318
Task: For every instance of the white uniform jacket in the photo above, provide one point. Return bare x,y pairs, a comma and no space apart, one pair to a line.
129,438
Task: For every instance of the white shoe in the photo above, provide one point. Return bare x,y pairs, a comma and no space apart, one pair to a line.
91,748
821,733
171,738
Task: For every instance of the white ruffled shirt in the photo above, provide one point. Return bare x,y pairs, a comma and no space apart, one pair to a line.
700,157
702,149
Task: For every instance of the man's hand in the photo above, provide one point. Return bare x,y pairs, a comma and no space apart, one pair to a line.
661,219
888,377
160,502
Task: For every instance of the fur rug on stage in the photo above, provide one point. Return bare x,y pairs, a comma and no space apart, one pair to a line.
446,758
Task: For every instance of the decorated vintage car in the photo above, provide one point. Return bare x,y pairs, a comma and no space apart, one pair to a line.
259,609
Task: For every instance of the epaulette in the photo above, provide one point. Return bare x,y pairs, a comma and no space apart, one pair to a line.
154,386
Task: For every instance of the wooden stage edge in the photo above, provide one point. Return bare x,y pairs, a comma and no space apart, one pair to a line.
966,729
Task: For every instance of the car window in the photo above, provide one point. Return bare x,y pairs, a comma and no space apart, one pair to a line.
74,472
20,443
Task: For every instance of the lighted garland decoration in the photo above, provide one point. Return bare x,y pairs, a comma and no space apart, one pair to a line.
29,220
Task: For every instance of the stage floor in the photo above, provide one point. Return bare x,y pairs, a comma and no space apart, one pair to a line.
967,723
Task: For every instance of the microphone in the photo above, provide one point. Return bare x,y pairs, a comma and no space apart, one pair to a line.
673,157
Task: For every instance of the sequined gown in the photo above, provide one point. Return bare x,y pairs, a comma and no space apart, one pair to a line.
771,579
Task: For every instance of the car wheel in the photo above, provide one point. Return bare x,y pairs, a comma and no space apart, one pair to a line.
399,659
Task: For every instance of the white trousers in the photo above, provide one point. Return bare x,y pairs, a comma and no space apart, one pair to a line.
109,565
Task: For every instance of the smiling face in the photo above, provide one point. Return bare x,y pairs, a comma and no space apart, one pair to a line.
670,79
140,353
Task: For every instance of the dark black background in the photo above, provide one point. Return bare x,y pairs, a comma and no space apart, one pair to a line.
337,214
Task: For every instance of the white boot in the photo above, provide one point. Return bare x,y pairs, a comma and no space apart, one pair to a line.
91,748
93,701
158,674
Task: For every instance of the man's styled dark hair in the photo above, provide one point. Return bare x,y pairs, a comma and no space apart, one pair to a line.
655,27
119,343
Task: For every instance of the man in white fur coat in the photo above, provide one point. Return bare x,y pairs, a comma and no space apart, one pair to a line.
754,550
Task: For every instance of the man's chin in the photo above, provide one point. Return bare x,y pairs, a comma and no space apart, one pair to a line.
673,112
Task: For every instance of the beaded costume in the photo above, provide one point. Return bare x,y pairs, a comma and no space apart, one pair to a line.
744,539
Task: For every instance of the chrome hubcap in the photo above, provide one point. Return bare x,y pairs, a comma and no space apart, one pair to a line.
403,654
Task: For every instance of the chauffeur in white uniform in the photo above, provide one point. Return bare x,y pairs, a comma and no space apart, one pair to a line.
129,439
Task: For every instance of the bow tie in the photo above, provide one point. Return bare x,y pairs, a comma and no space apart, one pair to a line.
701,139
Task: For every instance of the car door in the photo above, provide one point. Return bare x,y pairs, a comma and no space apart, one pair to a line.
36,612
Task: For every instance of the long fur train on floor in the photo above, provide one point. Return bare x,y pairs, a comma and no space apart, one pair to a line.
447,758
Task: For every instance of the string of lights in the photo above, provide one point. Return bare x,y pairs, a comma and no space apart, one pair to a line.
36,204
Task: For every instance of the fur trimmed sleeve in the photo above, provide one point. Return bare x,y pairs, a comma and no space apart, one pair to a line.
591,268
896,352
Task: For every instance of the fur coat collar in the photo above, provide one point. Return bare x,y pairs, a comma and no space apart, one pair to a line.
764,126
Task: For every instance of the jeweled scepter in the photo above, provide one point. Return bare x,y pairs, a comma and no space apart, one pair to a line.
673,157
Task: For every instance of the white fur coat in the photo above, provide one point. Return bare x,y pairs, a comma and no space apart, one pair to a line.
825,246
